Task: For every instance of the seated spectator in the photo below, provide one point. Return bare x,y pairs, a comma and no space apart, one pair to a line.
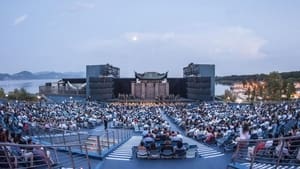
42,155
142,150
141,146
154,151
148,140
209,136
179,146
165,136
269,143
244,132
179,150
146,130
21,153
175,137
282,149
167,149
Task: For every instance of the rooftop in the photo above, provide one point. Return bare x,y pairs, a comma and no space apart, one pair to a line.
151,76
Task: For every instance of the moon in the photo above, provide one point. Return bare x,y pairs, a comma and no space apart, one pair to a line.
134,38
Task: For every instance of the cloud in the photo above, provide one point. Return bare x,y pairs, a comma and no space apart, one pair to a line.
229,42
20,19
148,36
82,5
220,45
239,42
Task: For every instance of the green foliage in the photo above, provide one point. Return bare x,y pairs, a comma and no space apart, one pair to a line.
290,89
277,87
229,80
260,91
274,85
253,94
21,94
248,93
2,93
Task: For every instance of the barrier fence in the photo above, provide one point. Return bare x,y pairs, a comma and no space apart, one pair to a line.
267,153
96,143
42,156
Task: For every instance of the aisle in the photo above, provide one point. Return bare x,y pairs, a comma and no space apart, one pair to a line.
203,150
124,152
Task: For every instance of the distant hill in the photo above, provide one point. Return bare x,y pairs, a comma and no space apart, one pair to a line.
26,75
229,80
4,76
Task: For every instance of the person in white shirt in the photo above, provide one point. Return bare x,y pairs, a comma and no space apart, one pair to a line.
244,133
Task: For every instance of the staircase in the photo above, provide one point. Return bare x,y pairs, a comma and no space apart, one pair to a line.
92,144
98,143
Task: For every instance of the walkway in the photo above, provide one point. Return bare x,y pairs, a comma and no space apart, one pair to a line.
124,152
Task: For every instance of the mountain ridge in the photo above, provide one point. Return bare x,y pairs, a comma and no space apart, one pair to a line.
27,75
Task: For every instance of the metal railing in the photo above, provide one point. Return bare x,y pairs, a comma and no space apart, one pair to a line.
108,139
278,152
96,143
42,156
57,136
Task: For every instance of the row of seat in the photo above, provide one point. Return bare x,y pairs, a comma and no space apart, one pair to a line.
160,153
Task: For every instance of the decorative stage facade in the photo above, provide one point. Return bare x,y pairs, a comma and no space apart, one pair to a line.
150,85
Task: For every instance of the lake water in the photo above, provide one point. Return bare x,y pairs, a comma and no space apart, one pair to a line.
220,89
32,86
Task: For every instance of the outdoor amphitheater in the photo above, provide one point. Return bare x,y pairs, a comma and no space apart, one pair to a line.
85,134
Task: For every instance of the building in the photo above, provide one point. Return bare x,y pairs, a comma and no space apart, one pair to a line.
200,81
99,80
103,82
68,87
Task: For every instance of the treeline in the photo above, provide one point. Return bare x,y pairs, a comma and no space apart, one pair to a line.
229,80
18,94
273,87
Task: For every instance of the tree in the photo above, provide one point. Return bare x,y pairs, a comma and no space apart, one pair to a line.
248,93
260,90
21,94
244,82
290,89
2,93
274,85
253,94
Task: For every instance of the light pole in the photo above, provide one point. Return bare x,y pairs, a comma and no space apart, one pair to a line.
39,99
6,97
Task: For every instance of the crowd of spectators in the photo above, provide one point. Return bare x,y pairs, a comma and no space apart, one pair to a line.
19,120
20,117
275,126
213,120
138,116
203,121
206,121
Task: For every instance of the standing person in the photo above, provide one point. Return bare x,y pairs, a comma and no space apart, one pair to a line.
105,123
